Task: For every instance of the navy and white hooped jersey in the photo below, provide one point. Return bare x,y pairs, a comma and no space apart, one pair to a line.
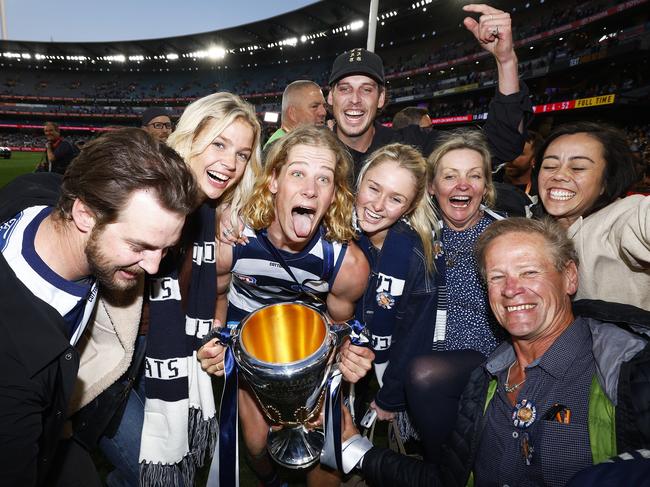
258,279
74,300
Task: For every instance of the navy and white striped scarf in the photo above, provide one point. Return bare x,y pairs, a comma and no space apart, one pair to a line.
180,423
440,255
389,270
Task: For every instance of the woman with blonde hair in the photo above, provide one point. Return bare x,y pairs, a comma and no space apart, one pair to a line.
461,330
194,138
460,182
219,138
395,217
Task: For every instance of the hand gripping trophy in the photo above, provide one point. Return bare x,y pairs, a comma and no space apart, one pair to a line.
286,353
300,249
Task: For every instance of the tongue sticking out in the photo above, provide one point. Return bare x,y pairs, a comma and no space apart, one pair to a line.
301,222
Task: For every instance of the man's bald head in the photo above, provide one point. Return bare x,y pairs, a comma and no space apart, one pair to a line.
302,104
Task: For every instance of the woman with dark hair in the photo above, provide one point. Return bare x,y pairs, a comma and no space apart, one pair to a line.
584,172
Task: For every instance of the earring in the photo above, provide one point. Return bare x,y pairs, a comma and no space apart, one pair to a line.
355,222
406,221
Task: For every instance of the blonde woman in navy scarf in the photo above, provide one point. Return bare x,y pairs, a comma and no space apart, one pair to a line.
218,136
395,217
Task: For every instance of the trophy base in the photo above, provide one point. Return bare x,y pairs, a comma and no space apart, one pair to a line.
295,447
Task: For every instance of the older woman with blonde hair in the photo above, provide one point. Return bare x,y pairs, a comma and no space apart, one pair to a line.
461,330
460,182
219,138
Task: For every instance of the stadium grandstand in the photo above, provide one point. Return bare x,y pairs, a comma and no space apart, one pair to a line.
579,59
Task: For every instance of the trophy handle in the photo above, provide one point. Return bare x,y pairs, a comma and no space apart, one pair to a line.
338,331
352,328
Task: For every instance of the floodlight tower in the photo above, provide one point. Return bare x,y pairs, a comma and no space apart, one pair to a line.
4,20
372,24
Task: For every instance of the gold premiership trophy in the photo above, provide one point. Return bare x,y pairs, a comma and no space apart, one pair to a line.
285,351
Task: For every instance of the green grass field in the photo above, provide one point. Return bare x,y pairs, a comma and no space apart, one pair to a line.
20,163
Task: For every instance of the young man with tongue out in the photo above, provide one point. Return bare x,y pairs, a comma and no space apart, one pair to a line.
358,93
298,218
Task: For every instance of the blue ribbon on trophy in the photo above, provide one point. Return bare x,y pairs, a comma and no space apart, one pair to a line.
224,469
331,453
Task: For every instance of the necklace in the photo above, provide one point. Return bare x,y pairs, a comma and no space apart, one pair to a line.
455,256
458,245
513,387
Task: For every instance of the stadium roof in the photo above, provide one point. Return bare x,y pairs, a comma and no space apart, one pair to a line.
324,19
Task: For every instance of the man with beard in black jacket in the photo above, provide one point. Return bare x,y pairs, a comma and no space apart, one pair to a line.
120,205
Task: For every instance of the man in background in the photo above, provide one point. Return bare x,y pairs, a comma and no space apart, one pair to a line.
412,116
519,171
156,121
58,151
302,104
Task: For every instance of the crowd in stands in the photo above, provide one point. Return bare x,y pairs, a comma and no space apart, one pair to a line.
534,20
36,141
623,79
134,86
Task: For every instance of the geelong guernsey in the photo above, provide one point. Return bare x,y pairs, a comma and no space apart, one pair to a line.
74,300
259,279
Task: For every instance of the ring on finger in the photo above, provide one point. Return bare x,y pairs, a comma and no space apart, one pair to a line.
495,31
227,232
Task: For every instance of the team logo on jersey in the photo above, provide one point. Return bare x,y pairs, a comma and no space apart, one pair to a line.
6,229
385,300
247,279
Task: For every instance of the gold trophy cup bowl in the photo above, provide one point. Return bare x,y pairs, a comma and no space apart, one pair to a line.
285,352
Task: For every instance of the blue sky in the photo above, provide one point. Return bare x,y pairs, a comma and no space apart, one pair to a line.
116,20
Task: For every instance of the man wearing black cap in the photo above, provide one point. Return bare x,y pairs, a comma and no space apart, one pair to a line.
357,93
156,121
